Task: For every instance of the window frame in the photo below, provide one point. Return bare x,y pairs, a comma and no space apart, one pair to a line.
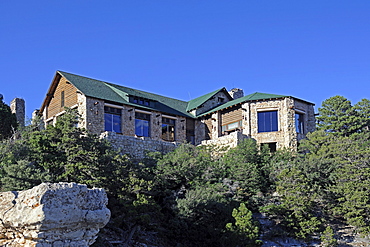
167,123
226,127
142,124
113,114
299,122
267,120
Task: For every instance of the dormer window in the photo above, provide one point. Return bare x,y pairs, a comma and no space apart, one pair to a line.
141,101
220,100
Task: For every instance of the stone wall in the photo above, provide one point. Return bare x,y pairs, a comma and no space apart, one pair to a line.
227,141
137,147
18,107
49,215
199,131
92,113
285,137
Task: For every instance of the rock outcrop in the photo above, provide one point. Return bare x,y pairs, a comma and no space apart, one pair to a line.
48,215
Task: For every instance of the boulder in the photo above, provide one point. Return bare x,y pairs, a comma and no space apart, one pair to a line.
48,215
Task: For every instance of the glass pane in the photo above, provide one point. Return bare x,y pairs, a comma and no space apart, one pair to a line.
142,127
233,126
299,123
267,121
171,133
164,132
116,123
145,128
261,122
274,121
138,127
107,122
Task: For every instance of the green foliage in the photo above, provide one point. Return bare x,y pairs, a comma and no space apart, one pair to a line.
8,121
244,232
192,197
338,116
298,203
327,238
243,165
203,212
353,185
60,153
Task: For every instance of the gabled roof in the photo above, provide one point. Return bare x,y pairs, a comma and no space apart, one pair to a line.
195,103
119,94
251,97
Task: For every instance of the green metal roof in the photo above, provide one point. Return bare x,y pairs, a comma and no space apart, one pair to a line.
250,97
116,93
120,94
195,103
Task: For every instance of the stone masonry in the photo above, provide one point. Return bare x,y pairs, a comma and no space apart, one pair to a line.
137,147
17,106
227,141
50,215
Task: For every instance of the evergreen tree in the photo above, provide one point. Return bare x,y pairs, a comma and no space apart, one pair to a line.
244,231
61,153
338,116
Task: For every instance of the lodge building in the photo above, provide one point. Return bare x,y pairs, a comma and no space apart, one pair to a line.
136,120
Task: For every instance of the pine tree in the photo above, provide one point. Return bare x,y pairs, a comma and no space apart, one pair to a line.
244,231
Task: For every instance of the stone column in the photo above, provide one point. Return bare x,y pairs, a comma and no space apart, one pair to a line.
216,128
180,129
128,121
17,106
156,126
199,131
246,119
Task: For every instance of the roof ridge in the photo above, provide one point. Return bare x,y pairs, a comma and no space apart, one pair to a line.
194,103
114,84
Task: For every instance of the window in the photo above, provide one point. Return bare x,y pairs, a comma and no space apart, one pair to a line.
231,126
141,101
267,121
271,146
299,118
142,124
62,99
112,119
168,129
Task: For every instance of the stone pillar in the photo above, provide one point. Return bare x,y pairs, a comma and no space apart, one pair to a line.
128,121
216,128
92,114
288,119
199,131
180,129
156,126
17,106
246,119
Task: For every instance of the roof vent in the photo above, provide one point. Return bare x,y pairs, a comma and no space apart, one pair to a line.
236,93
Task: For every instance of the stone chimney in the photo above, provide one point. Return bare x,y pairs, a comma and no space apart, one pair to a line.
17,106
236,93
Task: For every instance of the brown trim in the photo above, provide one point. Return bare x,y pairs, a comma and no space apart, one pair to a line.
50,92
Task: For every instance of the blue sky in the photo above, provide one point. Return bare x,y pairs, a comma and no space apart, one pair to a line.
183,49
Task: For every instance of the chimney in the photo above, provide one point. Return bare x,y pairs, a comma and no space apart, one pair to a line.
236,93
17,106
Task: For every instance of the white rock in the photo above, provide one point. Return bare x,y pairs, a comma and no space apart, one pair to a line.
61,214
